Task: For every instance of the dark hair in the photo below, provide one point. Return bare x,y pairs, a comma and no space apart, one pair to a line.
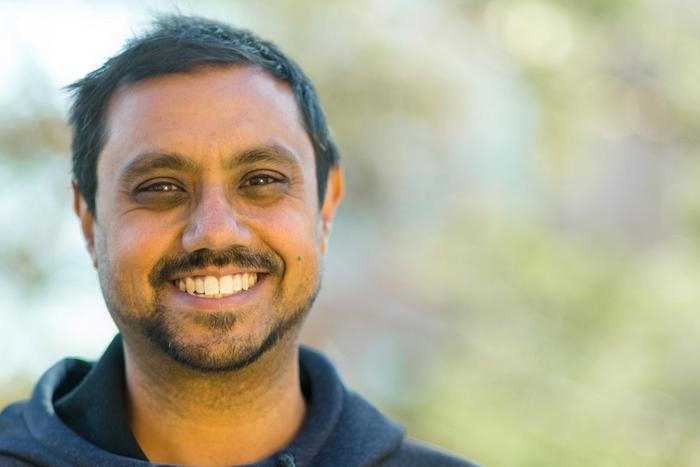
176,44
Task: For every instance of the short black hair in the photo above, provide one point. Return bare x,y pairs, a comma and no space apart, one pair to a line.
175,44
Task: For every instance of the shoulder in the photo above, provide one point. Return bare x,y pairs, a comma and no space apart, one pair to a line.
6,461
354,432
13,434
30,429
413,453
12,423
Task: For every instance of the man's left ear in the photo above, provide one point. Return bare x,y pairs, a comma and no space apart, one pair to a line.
335,189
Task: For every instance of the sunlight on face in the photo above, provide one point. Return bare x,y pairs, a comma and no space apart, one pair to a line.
207,177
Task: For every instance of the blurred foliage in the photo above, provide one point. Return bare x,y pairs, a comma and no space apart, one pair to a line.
523,217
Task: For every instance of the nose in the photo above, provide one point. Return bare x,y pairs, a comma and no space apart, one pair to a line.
213,224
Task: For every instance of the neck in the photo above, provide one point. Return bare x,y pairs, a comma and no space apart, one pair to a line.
181,416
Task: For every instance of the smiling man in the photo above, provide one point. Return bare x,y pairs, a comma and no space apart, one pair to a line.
205,181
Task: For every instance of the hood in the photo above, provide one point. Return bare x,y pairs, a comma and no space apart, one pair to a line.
341,428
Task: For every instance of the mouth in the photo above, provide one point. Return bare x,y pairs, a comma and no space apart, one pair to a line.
216,286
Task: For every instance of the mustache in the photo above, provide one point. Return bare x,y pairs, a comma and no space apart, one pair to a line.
236,256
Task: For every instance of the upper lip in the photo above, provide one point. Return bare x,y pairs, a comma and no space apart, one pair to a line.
214,271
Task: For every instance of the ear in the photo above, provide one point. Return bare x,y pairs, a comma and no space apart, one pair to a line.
87,221
335,189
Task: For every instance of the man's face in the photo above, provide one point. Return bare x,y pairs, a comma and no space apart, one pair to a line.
208,236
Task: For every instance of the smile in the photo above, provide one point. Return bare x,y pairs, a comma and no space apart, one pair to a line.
216,287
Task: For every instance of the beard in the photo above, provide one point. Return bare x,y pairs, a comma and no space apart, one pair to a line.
221,352
233,354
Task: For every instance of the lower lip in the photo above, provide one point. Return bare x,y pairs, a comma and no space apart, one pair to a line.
216,304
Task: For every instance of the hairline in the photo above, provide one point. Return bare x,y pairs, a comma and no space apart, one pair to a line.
124,85
177,43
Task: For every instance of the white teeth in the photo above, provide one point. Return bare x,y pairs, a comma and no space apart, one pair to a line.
226,285
213,287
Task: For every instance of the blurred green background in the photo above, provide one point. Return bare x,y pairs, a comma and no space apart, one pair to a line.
514,274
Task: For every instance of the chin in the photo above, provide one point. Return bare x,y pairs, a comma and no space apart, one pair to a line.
217,347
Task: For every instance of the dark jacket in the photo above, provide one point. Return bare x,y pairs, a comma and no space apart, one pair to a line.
75,417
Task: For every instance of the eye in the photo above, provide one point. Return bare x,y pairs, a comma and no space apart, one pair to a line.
260,180
160,193
162,187
265,185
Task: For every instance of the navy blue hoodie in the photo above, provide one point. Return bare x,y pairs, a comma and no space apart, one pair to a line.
75,417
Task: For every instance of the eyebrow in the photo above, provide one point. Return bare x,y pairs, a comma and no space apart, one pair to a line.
149,162
269,153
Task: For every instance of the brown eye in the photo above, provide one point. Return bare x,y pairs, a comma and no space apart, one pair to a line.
260,180
162,193
162,187
263,186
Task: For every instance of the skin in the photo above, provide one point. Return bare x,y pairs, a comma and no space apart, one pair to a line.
219,401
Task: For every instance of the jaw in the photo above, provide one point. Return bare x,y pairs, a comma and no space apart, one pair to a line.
219,335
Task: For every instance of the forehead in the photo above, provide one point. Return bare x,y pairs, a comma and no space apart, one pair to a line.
209,113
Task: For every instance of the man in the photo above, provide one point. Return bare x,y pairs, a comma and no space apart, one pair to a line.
205,181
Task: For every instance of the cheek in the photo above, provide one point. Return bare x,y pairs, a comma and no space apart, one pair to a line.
293,234
133,248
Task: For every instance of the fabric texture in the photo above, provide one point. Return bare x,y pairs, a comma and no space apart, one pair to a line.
76,417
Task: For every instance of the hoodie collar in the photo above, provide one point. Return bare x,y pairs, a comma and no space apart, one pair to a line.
89,401
96,407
